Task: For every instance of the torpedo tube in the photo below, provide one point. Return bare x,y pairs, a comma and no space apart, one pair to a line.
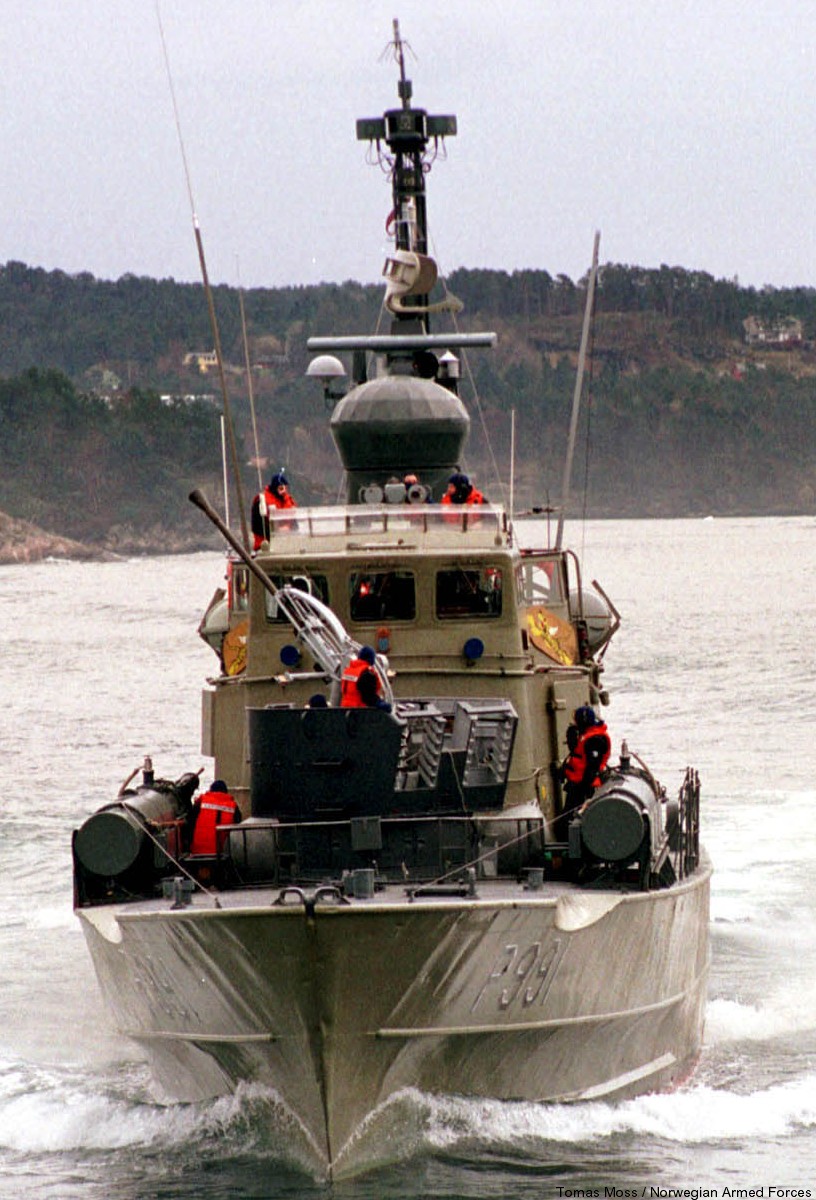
618,818
125,844
627,822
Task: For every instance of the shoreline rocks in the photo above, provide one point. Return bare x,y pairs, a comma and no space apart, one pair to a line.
22,542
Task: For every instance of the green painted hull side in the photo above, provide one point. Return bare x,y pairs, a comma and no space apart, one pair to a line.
592,994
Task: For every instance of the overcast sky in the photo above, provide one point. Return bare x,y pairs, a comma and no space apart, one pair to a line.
684,131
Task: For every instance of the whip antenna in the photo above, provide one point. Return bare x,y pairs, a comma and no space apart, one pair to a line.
224,469
248,368
512,460
576,399
236,469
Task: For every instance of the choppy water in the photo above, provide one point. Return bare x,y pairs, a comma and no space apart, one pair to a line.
714,666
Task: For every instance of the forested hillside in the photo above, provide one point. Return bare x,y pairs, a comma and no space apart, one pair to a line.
112,473
682,415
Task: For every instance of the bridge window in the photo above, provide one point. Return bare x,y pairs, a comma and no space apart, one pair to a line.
382,596
315,585
541,581
476,592
238,588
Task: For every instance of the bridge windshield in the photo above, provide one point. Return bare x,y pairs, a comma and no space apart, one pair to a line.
541,580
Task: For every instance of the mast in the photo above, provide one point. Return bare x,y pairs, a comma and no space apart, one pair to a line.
230,427
407,132
576,399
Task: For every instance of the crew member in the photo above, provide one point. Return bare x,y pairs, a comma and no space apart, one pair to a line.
590,746
276,495
415,493
360,685
211,811
461,491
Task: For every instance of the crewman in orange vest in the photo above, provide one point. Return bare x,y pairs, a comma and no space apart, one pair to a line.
276,495
360,685
461,491
211,811
590,747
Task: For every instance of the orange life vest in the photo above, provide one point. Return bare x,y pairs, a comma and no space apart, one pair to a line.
349,692
475,497
273,501
577,761
212,810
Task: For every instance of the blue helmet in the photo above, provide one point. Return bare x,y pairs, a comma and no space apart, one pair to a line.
276,481
459,479
461,485
585,717
367,655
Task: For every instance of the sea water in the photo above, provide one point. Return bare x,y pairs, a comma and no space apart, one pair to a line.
713,666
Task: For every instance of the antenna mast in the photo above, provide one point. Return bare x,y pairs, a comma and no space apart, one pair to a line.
404,86
407,131
236,467
576,399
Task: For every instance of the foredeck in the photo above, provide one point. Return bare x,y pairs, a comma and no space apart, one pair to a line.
578,906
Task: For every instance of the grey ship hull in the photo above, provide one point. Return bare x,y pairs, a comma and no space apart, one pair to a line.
554,995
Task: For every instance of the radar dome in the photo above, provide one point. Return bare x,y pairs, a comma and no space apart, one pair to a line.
396,424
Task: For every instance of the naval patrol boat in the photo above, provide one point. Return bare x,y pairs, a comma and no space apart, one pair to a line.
410,901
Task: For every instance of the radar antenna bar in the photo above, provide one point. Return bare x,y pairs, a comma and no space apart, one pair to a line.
394,342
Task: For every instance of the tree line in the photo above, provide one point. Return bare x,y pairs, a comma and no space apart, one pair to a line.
72,322
113,474
680,417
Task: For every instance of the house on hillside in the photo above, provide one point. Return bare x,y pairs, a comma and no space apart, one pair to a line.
782,333
188,398
203,360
